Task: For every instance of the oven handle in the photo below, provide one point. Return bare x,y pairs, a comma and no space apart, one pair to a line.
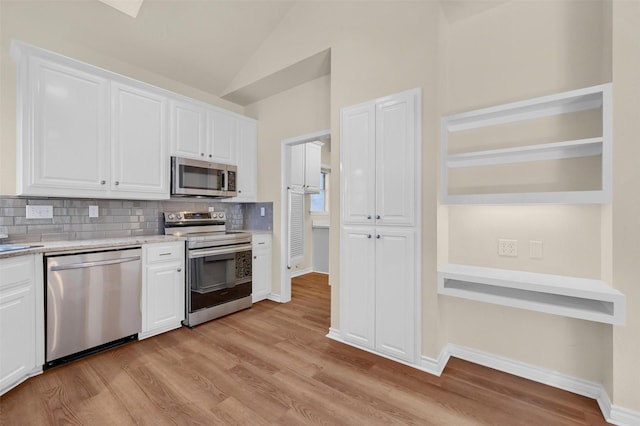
193,254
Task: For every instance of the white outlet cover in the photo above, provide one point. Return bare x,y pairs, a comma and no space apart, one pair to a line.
39,212
508,248
535,249
212,209
94,211
261,211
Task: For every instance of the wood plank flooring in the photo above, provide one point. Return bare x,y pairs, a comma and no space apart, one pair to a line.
272,364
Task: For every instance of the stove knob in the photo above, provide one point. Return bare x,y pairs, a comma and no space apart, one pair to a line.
170,217
221,215
178,216
214,215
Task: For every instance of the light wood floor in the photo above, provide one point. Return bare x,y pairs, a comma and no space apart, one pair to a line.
272,364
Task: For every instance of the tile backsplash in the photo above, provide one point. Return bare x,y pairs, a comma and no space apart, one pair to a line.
117,218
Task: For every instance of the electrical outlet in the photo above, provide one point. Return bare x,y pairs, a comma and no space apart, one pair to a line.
94,211
39,212
535,249
212,209
262,211
508,248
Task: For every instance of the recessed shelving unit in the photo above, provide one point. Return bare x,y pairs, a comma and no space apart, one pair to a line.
599,146
573,297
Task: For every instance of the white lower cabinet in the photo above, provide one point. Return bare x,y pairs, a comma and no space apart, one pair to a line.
21,319
378,283
261,267
163,288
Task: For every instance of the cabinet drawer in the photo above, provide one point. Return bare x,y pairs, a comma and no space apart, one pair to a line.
165,252
259,241
16,270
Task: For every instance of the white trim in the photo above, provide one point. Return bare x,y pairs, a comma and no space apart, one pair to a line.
285,277
321,273
275,298
298,272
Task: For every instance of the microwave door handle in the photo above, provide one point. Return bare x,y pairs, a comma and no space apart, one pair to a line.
224,181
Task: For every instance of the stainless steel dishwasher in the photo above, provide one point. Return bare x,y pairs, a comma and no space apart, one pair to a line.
92,302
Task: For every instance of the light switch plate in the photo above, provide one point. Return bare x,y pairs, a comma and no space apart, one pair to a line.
262,211
535,249
94,211
39,212
212,209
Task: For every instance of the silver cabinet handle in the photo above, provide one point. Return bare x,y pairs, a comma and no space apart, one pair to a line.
377,216
378,236
202,154
368,235
165,254
369,217
117,183
179,269
210,155
239,191
102,182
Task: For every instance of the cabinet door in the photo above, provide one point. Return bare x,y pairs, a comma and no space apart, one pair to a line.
395,293
21,328
358,164
261,279
396,159
64,151
165,296
312,167
140,162
222,137
188,130
247,179
296,172
357,286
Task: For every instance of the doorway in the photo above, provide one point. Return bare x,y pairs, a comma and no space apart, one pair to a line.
285,152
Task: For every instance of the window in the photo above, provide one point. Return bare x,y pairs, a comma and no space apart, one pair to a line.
320,201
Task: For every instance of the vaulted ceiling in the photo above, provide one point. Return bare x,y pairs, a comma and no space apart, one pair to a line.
200,43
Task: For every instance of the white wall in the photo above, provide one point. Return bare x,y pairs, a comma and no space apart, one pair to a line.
295,112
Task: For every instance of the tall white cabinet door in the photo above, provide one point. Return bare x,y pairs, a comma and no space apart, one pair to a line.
357,286
139,145
358,164
223,137
312,167
395,293
396,159
66,133
247,179
188,130
296,173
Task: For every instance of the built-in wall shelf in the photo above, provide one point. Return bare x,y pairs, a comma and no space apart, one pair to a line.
591,184
567,296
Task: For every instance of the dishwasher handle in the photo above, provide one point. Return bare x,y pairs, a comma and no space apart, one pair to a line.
96,263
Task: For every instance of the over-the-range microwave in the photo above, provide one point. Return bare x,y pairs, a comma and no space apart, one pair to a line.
198,178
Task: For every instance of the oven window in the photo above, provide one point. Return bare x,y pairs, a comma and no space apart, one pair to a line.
200,178
212,273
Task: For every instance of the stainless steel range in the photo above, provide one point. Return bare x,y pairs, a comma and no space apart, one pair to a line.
218,265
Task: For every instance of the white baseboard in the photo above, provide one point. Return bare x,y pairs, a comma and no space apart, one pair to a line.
299,272
612,414
275,297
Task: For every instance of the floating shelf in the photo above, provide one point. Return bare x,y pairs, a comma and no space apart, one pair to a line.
549,151
561,295
591,98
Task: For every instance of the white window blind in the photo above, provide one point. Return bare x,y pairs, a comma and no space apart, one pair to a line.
295,251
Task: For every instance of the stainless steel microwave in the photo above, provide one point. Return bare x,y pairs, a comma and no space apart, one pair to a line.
198,178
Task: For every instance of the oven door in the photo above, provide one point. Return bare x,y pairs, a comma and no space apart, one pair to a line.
218,275
194,177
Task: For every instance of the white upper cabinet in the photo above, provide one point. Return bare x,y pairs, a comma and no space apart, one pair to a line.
86,132
380,161
63,127
247,161
188,130
223,134
305,167
138,141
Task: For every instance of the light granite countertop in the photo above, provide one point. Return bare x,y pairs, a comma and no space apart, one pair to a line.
54,247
